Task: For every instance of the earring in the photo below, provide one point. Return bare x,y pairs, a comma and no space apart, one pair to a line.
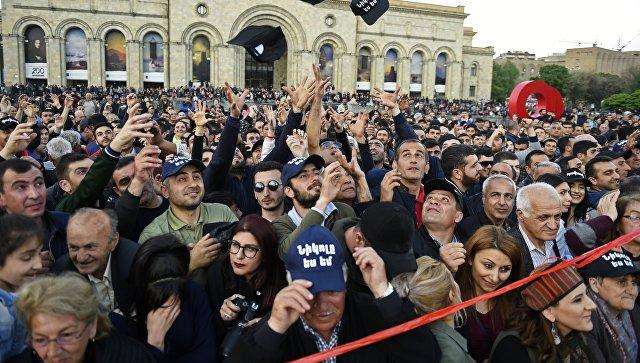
554,332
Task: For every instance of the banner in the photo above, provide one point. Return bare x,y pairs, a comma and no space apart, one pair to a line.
577,262
153,58
75,54
35,53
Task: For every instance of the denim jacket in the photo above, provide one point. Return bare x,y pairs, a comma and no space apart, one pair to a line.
13,334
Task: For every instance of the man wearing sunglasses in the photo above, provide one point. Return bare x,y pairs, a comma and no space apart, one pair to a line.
268,190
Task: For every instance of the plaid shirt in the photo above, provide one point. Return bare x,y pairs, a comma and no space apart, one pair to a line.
322,345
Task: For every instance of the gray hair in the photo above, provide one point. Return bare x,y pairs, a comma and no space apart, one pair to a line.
57,147
72,136
542,191
487,181
548,164
93,212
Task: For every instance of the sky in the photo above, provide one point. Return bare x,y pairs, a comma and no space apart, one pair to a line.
544,27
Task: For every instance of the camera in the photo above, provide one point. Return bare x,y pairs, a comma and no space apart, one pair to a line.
248,310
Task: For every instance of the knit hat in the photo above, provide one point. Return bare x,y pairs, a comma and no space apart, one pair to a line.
549,289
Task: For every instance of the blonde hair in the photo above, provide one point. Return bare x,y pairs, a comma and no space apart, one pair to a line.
428,288
67,294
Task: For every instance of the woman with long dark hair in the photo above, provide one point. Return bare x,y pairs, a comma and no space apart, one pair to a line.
494,259
578,189
248,268
172,313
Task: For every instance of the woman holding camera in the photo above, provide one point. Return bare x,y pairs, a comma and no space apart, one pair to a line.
172,314
248,269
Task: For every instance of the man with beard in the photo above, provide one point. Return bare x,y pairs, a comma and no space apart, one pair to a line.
268,189
186,216
138,203
313,200
603,177
461,168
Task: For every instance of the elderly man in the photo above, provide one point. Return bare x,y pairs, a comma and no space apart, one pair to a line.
316,312
613,286
97,252
498,198
437,238
539,212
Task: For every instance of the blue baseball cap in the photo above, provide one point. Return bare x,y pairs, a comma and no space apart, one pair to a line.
294,166
317,256
176,164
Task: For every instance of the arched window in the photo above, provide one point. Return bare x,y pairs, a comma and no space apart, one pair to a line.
35,53
416,67
391,66
473,70
115,55
441,69
201,59
75,54
326,61
364,65
152,53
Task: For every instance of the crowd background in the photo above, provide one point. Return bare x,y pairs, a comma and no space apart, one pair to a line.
212,223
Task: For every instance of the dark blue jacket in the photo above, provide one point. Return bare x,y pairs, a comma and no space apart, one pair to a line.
55,233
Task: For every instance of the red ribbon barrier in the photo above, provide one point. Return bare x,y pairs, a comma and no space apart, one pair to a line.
577,262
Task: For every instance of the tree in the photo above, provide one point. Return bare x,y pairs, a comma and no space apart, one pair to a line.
623,101
504,80
593,88
631,78
556,76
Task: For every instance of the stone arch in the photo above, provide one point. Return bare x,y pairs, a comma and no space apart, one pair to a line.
402,52
334,39
422,48
373,47
21,25
273,15
65,25
151,28
451,55
114,25
201,28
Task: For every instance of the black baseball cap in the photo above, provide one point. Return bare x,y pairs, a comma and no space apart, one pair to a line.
263,42
611,264
442,184
8,123
369,10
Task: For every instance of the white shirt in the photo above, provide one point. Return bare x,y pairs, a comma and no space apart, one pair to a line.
537,256
104,289
296,219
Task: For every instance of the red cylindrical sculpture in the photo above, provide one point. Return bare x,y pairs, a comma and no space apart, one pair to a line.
548,97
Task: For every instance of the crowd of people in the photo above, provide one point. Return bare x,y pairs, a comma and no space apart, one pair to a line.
204,224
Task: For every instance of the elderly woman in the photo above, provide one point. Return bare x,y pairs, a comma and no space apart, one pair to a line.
64,324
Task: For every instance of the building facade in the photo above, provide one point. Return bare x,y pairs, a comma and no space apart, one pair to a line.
527,63
167,43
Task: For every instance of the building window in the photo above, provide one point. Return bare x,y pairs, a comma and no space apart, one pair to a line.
441,69
75,53
326,61
115,52
474,70
416,67
152,53
364,65
472,91
201,65
202,9
391,66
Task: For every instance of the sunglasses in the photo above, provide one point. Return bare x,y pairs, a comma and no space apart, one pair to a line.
329,144
273,185
486,163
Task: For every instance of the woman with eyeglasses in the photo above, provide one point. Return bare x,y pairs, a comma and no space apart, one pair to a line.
628,207
64,324
249,269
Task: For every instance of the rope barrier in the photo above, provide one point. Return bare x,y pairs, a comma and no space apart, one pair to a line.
577,262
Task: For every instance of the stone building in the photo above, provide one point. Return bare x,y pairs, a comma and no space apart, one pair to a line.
165,43
527,63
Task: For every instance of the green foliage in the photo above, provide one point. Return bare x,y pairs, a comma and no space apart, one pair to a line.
623,101
556,76
504,80
593,88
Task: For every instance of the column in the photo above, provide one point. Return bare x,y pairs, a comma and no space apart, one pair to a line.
453,80
165,63
11,51
377,72
429,78
180,58
95,68
348,66
133,64
404,73
226,63
54,71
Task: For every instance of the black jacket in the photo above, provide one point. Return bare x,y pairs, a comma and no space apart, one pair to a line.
362,316
55,233
425,245
121,262
528,261
471,224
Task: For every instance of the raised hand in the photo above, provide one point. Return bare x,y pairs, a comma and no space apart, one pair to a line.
338,119
236,102
453,255
373,272
301,94
18,140
297,143
68,102
136,126
5,104
159,321
352,167
389,99
331,183
358,128
30,111
199,117
146,162
291,302
390,181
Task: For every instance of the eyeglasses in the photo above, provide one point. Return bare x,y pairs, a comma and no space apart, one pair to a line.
633,219
248,251
61,340
273,185
486,164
